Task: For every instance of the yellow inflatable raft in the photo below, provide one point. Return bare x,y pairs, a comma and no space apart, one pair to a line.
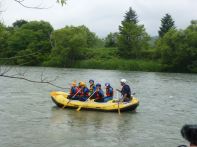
60,99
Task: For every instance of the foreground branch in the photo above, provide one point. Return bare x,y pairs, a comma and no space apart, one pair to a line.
30,7
21,2
23,78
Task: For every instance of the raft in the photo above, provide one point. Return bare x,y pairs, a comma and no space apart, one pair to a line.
60,99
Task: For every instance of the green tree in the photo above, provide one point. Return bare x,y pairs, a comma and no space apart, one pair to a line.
19,23
4,35
167,23
91,37
68,45
111,40
179,49
31,39
131,16
132,38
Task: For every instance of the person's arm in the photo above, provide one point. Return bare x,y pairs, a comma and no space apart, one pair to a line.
101,94
118,90
94,88
111,91
126,91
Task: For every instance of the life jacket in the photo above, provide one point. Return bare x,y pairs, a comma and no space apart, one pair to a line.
126,91
92,88
109,92
98,95
84,92
73,90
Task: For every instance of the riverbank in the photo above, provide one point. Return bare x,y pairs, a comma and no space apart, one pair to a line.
107,58
119,64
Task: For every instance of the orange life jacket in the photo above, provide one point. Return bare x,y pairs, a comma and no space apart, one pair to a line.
108,92
73,90
84,92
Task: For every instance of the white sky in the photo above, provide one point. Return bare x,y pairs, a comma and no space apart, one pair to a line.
101,16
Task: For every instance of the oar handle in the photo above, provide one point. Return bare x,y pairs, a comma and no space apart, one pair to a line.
91,95
76,93
79,108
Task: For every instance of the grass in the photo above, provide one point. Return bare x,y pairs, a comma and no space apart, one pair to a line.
107,58
120,64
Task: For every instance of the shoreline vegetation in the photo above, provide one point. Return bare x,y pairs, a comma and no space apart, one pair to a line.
36,43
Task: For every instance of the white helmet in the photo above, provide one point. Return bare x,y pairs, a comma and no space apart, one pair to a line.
123,81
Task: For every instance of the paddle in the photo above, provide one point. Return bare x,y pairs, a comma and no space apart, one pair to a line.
119,100
79,108
118,104
71,99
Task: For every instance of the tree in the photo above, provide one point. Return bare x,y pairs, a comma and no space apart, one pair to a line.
90,36
111,40
132,38
68,44
167,23
178,49
30,43
131,16
19,23
4,35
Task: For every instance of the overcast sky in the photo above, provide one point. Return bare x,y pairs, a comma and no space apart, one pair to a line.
102,16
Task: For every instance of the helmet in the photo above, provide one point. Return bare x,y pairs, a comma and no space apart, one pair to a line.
123,81
107,84
73,83
98,84
82,84
91,80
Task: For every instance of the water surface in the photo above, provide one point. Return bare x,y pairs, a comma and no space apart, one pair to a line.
28,117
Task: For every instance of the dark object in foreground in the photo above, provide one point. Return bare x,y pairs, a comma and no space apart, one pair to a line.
189,132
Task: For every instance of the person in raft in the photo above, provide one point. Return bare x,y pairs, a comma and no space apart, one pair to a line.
92,86
109,92
189,132
99,94
84,93
73,91
125,91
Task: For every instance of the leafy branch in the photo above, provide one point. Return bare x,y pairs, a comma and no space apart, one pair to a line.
21,2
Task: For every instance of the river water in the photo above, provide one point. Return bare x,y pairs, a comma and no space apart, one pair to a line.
28,117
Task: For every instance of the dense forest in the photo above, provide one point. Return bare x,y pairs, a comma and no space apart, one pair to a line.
36,43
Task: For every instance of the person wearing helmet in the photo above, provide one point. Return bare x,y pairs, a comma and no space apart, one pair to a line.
189,132
73,91
84,93
109,92
125,91
92,87
99,94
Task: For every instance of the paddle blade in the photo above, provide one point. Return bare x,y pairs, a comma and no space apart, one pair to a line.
78,109
119,108
119,111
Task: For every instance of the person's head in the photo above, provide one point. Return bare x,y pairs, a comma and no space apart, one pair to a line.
123,82
107,85
189,132
74,84
91,81
82,84
98,85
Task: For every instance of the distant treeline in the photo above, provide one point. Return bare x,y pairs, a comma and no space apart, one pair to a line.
36,43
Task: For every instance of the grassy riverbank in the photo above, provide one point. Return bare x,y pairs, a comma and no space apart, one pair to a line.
107,58
120,64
